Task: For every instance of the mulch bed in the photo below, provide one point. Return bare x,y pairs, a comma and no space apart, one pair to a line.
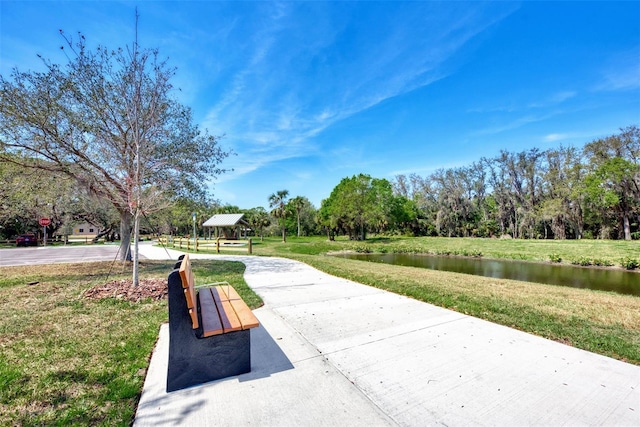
154,289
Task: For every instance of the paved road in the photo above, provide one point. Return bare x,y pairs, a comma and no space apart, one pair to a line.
57,254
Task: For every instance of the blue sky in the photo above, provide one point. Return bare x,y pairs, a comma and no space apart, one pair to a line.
307,93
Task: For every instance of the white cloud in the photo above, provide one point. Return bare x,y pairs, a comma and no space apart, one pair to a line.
579,136
548,101
621,72
553,99
621,79
511,124
554,137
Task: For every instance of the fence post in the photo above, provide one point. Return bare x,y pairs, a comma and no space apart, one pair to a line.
218,245
250,247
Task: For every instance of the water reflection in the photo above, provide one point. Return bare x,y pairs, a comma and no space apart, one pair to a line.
620,281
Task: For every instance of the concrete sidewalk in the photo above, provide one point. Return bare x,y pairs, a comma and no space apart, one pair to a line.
334,352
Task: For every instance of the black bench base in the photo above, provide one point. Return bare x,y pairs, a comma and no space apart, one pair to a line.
194,360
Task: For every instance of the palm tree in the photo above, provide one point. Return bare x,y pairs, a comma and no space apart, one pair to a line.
278,202
297,203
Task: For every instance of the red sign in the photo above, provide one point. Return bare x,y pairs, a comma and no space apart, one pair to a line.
44,221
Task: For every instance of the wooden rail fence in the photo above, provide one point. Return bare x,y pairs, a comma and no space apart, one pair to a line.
206,244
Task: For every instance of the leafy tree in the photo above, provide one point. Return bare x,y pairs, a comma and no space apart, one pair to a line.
348,205
614,179
258,219
226,209
305,215
28,194
278,204
360,204
94,211
326,218
609,187
403,214
177,219
107,120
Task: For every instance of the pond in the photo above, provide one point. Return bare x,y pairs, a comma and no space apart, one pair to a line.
615,280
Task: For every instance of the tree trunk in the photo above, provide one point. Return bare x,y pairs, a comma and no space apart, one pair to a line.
101,234
579,223
330,235
136,238
626,226
125,236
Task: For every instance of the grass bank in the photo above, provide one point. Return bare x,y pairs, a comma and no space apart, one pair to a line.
605,253
66,359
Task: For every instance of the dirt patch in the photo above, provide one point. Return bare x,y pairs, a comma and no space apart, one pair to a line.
154,289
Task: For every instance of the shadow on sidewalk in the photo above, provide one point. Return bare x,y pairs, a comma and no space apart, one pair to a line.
157,407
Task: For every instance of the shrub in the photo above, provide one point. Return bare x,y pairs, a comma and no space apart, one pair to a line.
629,263
602,263
555,258
583,261
362,249
476,253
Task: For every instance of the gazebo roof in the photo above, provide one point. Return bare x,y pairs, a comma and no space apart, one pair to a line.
225,220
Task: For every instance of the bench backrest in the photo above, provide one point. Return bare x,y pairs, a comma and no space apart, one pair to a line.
189,285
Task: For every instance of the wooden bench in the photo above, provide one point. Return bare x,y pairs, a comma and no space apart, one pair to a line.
209,330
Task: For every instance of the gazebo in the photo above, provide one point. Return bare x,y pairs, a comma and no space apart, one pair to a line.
228,226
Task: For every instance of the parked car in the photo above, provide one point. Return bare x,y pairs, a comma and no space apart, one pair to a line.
27,239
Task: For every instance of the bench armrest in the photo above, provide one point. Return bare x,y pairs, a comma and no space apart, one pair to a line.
210,285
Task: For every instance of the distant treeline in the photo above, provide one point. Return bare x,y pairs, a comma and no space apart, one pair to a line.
560,193
563,193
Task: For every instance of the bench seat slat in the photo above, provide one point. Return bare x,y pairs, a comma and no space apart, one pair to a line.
211,324
244,313
228,317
